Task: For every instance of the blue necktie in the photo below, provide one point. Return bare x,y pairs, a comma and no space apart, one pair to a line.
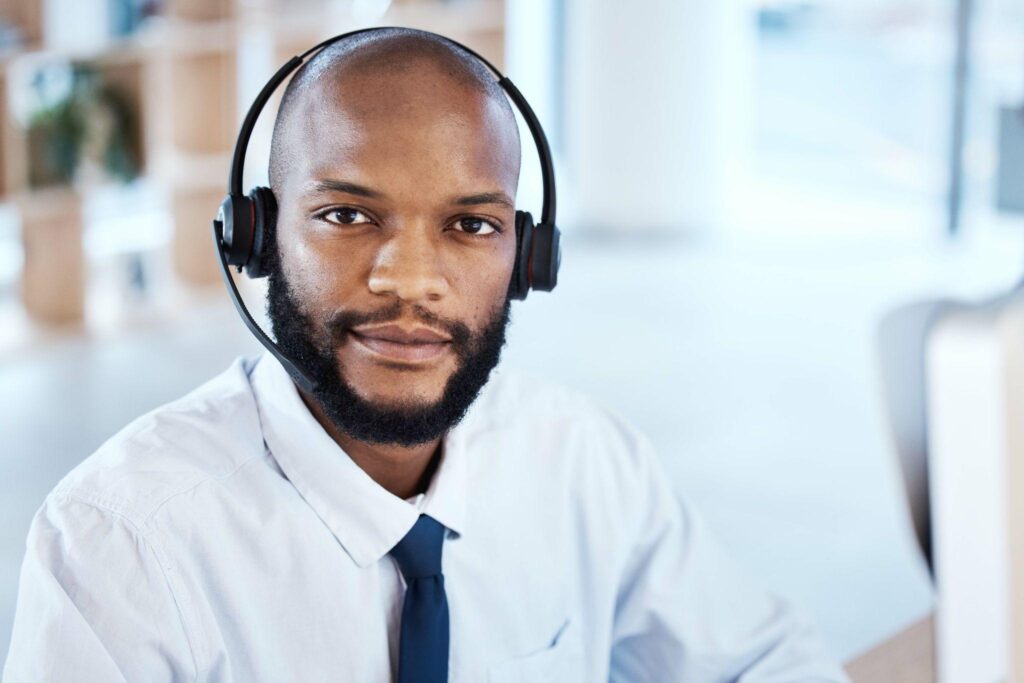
423,647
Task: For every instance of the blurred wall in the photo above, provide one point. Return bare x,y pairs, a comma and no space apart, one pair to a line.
658,95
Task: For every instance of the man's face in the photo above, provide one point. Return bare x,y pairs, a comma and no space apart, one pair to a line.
395,216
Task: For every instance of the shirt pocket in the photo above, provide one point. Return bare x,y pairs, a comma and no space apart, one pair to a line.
561,660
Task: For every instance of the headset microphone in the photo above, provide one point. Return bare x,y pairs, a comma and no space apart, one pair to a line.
243,221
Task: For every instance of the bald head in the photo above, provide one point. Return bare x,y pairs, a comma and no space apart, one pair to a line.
385,74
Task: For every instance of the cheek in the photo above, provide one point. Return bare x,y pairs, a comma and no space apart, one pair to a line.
483,284
316,272
501,258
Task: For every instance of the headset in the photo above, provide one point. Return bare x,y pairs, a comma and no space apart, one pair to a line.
243,221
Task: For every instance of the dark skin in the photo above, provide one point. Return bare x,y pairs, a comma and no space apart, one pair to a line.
401,187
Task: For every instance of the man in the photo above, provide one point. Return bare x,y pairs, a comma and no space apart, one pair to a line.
418,517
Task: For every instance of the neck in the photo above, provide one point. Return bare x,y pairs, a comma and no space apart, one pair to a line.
403,470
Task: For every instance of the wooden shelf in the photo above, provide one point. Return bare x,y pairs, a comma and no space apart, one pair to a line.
124,67
200,10
27,15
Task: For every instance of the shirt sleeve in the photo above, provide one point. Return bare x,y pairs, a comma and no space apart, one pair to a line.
94,603
686,612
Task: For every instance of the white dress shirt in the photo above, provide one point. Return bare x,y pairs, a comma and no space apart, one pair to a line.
226,537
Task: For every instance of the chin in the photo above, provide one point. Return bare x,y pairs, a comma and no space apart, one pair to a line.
401,390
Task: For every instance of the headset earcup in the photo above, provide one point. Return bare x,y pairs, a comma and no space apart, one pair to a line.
236,218
546,257
520,285
265,206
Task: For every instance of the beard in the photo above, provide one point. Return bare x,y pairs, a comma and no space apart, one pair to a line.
407,423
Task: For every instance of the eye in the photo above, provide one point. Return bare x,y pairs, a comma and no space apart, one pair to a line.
344,216
477,226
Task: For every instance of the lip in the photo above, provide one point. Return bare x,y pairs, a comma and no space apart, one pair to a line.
394,343
394,333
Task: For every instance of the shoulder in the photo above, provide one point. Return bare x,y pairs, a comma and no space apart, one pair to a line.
207,433
573,423
518,395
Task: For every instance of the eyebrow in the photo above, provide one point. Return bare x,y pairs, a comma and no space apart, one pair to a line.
331,185
485,198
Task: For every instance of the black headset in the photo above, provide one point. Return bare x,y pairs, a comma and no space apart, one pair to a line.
244,221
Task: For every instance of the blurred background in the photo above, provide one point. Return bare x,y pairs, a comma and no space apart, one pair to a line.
748,189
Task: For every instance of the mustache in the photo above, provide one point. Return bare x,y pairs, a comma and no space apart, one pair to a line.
340,323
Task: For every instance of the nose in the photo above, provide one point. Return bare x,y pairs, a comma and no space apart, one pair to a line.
410,265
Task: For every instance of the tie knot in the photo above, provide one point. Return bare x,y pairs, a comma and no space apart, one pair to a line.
419,553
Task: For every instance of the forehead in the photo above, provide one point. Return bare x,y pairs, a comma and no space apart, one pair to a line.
410,127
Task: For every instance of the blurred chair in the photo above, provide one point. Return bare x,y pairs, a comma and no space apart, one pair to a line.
952,377
902,339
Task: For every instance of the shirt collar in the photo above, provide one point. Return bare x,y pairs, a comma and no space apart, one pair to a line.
367,519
